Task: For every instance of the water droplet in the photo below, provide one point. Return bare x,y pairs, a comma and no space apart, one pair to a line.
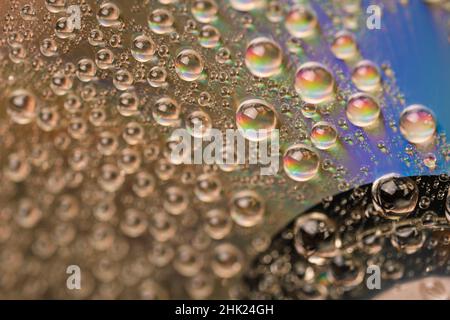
204,11
143,48
263,57
104,58
189,65
226,261
157,77
323,135
55,6
166,112
22,106
394,196
208,188
49,47
198,124
246,5
344,45
417,124
218,224
301,22
256,119
108,14
128,104
362,110
407,238
366,76
300,162
123,79
315,236
161,21
209,37
176,200
314,83
247,208
86,70
187,261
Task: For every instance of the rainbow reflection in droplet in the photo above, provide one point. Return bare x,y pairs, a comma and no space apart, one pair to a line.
300,162
366,76
256,119
247,5
362,110
314,83
301,22
323,135
204,11
344,45
417,124
189,65
263,57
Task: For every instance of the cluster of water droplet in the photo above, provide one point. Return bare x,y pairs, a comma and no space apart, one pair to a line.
86,166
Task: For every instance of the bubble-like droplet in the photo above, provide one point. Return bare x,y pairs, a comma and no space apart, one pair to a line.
247,5
166,111
201,286
218,224
189,65
209,37
157,77
417,124
111,178
323,135
22,106
17,167
226,261
247,208
28,213
161,21
301,22
198,124
314,83
208,188
362,110
49,47
123,79
394,196
188,262
47,118
344,45
300,162
64,29
143,48
204,11
128,104
162,226
86,70
263,57
108,14
104,58
315,236
96,38
55,6
134,223
408,238
61,83
256,119
176,200
366,76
